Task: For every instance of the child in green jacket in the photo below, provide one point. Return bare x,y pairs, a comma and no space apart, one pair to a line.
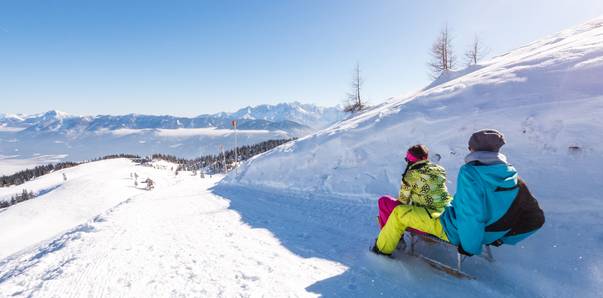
423,186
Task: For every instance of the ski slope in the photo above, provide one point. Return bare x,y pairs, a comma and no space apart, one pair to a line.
546,97
298,220
178,240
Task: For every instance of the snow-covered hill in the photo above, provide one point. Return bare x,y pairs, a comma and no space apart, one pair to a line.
546,97
97,235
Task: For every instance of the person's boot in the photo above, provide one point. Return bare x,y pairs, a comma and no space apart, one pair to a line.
376,250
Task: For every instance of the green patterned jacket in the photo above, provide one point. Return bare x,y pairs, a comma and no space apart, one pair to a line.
424,184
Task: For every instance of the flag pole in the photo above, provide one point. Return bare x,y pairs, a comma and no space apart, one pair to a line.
234,124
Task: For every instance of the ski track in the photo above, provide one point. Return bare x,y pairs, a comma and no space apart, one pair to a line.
178,240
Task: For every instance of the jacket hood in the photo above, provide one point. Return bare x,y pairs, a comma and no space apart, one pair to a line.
493,169
486,157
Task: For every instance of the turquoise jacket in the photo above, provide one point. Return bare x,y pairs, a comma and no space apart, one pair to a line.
476,204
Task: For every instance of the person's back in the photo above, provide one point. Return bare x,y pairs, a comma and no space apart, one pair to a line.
424,184
491,205
486,206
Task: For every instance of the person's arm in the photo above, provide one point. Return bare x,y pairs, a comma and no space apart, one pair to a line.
404,195
469,209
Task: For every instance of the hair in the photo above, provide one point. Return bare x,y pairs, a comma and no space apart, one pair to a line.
419,151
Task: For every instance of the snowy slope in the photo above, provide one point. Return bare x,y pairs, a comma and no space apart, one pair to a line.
297,221
90,189
546,97
98,236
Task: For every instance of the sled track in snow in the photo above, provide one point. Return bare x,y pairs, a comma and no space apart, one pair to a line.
342,230
21,262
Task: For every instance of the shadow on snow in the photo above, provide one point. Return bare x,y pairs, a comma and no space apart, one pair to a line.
342,231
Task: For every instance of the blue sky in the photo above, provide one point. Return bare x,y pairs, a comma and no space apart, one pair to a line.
194,57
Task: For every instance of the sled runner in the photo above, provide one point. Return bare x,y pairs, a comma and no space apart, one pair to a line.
416,236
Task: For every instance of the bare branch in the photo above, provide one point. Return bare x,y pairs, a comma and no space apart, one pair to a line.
442,55
476,52
355,102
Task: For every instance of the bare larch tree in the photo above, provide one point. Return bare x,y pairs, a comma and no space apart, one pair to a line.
442,55
355,103
476,52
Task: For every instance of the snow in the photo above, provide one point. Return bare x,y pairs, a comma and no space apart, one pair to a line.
65,205
96,235
546,97
298,220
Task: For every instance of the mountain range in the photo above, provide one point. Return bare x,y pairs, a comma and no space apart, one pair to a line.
295,118
56,132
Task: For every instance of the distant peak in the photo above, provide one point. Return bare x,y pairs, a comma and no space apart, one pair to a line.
56,114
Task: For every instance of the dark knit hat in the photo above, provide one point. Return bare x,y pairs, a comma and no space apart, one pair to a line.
487,140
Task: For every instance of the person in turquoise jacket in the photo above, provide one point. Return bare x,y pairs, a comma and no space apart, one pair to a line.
491,204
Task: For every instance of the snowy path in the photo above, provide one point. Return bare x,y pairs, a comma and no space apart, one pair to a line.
340,230
191,238
178,240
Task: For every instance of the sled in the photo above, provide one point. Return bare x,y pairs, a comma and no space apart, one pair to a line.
456,271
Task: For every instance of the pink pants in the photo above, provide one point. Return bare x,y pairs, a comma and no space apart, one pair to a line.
386,206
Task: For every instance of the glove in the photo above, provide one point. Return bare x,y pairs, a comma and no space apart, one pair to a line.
463,252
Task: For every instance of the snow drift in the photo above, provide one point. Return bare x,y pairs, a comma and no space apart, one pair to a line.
546,97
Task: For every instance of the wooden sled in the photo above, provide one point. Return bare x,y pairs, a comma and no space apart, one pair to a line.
416,236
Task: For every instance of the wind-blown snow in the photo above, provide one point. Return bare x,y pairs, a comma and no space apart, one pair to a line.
546,97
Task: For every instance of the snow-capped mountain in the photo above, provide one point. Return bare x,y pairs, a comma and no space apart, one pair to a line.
295,118
306,114
58,133
546,97
21,120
